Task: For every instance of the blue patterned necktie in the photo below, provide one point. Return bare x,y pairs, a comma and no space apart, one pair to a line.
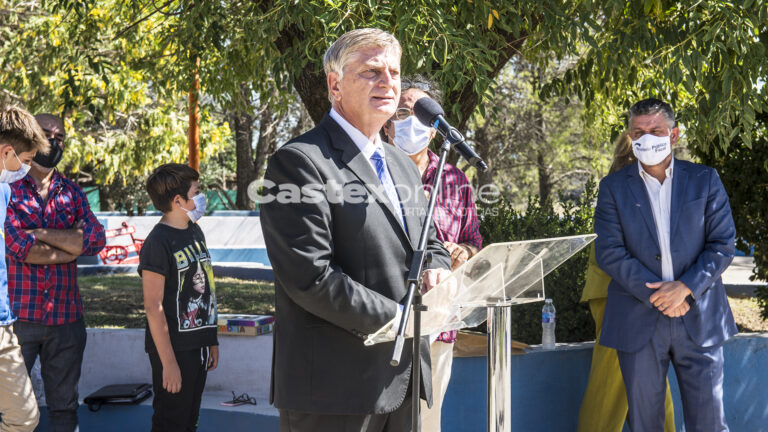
386,181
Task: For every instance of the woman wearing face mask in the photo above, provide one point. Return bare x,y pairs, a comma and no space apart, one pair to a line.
455,217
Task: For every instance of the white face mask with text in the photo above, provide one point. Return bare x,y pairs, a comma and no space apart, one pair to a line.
651,150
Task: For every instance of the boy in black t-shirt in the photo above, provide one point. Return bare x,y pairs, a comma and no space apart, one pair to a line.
179,299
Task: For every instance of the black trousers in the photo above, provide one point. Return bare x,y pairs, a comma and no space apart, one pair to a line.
60,348
179,412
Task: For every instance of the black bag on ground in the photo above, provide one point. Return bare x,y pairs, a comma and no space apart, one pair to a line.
118,394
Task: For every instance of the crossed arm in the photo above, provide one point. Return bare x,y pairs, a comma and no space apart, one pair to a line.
54,246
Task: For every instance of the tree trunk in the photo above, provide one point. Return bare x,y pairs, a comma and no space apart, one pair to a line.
105,200
544,169
545,177
483,148
267,140
311,83
242,125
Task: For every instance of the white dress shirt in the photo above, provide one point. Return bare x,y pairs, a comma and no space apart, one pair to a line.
366,146
660,195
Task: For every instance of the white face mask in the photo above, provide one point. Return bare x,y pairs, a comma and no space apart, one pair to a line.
199,210
411,135
13,176
651,150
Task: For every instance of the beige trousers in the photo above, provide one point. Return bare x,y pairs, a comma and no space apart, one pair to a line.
442,360
18,405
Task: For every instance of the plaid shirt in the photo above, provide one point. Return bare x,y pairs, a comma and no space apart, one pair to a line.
47,294
455,213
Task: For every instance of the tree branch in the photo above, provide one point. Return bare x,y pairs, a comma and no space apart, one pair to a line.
140,20
570,173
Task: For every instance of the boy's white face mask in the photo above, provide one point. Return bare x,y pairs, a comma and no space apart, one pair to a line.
199,210
13,176
651,150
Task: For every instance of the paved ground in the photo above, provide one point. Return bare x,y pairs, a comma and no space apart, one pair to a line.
736,277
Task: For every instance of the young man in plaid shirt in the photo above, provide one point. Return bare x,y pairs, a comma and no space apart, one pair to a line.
48,225
455,218
20,139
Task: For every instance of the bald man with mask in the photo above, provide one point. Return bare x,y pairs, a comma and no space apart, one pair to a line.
49,224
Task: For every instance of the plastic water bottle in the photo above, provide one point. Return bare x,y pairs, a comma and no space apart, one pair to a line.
548,325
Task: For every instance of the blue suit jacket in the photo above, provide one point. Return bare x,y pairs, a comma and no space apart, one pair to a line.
627,248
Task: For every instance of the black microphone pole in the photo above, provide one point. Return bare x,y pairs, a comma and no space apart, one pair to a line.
413,298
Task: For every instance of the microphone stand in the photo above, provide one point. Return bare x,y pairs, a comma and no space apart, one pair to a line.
413,298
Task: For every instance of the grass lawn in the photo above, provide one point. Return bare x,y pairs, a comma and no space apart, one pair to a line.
117,300
747,314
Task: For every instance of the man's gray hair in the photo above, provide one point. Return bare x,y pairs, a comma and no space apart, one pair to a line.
420,82
652,106
341,51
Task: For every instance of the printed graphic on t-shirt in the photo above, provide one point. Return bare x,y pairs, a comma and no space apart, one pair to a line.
196,296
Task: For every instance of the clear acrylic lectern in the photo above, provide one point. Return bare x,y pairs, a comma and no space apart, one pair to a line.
485,288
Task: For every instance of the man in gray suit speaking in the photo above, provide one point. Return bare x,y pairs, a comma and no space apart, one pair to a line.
342,220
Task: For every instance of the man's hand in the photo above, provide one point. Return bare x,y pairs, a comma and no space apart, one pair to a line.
460,253
432,277
678,311
213,357
669,295
172,378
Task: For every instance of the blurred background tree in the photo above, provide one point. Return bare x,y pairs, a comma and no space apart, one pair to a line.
540,88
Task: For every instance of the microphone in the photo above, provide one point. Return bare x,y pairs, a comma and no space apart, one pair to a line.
431,114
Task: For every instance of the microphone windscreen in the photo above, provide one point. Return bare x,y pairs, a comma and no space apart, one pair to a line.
426,110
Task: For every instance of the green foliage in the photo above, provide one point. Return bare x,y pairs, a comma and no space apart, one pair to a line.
706,58
744,172
271,44
534,144
121,121
500,222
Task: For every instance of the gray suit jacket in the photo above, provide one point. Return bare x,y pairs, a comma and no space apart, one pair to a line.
340,265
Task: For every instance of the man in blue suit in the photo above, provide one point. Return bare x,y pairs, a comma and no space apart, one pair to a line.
665,235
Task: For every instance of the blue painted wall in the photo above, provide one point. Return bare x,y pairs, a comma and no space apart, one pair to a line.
239,254
547,389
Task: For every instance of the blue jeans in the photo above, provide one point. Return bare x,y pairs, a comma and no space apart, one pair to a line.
61,350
